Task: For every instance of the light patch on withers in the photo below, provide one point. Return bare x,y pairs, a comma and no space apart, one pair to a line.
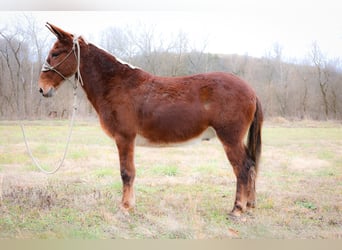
126,63
206,135
118,59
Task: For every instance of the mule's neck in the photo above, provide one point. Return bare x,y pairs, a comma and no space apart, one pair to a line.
102,72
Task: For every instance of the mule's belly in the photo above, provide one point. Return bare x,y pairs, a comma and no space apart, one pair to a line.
206,135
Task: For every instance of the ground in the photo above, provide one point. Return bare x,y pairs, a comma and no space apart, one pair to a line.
184,192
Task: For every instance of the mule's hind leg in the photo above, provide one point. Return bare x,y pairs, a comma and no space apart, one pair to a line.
252,174
245,174
127,170
237,157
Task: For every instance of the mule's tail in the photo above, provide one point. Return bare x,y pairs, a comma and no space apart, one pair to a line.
254,135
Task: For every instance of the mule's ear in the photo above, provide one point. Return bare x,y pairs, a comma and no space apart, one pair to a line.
59,33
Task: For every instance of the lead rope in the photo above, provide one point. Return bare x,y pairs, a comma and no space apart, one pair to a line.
71,125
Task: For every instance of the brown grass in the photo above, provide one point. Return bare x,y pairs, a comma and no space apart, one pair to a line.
181,192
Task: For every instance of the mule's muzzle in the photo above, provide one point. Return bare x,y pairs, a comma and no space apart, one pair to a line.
47,94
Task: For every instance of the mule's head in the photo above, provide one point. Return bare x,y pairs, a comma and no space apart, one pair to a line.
60,63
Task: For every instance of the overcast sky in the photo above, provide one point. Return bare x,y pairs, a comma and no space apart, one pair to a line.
242,27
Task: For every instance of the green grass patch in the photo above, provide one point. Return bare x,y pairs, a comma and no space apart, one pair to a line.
326,155
306,204
60,224
207,169
77,155
165,170
265,202
116,186
105,172
13,158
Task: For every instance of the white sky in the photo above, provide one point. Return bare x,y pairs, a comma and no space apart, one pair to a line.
242,27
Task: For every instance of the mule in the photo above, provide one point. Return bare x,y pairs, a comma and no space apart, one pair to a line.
136,107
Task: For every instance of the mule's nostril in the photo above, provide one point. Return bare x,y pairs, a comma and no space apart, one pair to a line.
41,90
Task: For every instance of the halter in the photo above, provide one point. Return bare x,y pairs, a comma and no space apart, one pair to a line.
75,45
48,67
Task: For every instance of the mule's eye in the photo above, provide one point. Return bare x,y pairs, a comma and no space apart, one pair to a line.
55,55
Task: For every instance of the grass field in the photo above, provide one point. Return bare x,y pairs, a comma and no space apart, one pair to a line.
183,192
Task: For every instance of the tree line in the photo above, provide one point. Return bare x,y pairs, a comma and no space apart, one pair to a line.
309,89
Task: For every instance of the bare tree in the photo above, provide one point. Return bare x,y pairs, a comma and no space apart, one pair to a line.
335,90
119,42
322,75
302,74
198,59
239,64
178,48
282,71
12,51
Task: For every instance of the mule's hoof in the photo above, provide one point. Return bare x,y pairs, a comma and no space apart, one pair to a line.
125,209
251,204
235,214
122,213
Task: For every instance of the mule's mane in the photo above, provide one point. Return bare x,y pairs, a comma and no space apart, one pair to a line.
104,51
102,72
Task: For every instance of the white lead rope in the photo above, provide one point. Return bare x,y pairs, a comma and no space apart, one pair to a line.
71,125
47,67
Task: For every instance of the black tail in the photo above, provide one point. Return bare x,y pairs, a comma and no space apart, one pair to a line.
254,135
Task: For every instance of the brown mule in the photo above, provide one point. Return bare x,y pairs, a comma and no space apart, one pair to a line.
136,107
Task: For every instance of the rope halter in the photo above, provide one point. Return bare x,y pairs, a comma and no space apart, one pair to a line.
76,51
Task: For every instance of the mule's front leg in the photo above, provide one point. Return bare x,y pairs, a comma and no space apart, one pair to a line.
127,169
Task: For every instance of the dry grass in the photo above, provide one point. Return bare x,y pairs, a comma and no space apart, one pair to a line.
181,192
